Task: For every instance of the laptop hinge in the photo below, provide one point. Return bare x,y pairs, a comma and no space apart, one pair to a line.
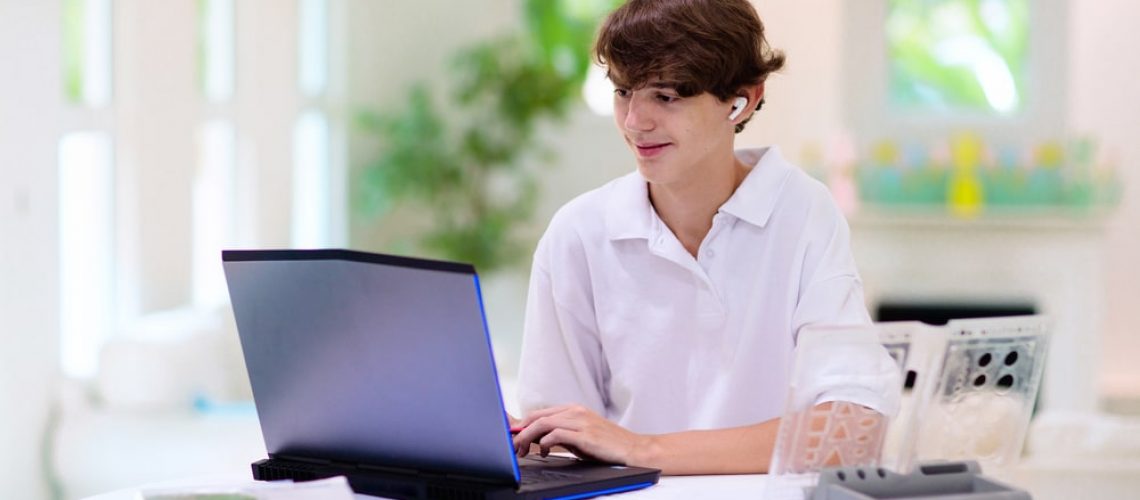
432,474
481,480
393,470
296,458
386,468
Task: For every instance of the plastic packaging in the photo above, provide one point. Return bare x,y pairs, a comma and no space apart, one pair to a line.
966,392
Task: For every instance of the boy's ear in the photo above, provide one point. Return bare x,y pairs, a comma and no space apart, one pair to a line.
754,93
758,95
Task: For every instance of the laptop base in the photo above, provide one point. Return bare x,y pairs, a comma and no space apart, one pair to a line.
414,485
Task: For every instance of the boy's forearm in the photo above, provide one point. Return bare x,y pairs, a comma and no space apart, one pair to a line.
738,450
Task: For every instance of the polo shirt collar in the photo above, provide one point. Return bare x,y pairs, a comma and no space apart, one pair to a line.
629,214
755,199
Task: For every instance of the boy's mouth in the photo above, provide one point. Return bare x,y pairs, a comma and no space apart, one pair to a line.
651,149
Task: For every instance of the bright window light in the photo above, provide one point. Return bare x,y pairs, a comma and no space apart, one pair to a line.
86,225
216,48
989,70
598,91
312,172
87,52
957,55
313,47
214,202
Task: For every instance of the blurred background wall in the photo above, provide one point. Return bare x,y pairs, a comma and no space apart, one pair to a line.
138,138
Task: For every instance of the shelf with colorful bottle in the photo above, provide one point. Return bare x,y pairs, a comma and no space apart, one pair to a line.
966,177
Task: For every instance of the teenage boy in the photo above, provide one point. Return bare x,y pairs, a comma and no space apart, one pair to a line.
664,306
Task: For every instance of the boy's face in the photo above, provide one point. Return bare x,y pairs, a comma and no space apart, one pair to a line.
671,136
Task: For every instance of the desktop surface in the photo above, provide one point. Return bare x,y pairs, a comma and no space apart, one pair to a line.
669,488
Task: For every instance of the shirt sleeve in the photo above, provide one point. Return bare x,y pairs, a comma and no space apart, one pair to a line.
845,364
831,293
562,361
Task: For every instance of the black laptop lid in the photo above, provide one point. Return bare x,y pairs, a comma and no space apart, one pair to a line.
371,359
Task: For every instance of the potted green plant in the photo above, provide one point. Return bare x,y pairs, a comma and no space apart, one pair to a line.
474,172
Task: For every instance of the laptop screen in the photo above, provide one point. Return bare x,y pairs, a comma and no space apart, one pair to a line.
370,359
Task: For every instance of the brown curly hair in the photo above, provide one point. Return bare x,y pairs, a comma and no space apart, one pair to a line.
693,46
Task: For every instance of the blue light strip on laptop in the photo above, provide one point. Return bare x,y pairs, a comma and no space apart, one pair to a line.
506,423
619,489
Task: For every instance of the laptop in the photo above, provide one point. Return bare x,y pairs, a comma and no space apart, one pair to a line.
379,368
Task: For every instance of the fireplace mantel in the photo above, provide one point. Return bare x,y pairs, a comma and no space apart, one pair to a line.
1052,259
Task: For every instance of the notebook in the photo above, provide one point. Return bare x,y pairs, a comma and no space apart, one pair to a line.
379,368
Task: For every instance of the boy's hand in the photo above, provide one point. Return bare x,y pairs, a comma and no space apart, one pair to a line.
580,430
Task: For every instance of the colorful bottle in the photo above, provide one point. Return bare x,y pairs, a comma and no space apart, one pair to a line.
964,193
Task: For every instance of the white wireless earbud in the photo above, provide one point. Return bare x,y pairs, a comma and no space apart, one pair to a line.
738,107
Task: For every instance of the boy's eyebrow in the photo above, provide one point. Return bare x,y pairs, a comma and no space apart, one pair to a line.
653,84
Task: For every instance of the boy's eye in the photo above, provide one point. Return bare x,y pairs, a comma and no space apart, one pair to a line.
666,98
621,92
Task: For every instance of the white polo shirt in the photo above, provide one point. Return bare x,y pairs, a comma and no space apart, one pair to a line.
622,319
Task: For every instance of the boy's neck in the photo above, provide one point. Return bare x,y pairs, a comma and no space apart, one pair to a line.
687,208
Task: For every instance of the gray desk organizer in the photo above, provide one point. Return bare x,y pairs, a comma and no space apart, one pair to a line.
932,481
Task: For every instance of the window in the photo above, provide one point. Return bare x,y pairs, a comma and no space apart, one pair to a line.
598,91
87,228
312,210
917,72
86,163
234,146
313,49
216,49
214,202
214,208
948,55
315,187
87,52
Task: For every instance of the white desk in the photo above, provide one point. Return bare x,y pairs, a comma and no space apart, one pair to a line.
752,486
